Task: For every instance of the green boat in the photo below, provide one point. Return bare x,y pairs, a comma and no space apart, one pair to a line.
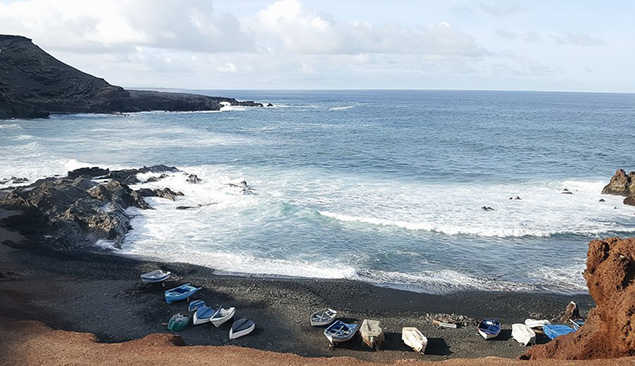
178,322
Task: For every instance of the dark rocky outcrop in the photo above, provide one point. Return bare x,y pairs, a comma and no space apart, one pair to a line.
34,84
609,330
75,211
163,193
622,184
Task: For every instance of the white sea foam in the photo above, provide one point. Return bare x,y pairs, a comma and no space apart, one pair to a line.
343,108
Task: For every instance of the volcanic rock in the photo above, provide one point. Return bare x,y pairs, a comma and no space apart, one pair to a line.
35,84
163,193
608,331
622,184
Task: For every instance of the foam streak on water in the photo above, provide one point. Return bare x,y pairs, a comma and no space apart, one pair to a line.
383,187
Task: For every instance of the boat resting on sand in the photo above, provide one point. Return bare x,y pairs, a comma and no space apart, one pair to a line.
414,339
195,305
523,334
203,315
241,327
222,315
339,332
323,317
155,276
536,323
489,328
180,293
178,322
556,330
372,334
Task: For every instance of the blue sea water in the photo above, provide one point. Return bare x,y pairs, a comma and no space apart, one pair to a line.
380,186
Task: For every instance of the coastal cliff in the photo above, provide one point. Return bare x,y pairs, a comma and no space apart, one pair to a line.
608,332
622,184
34,84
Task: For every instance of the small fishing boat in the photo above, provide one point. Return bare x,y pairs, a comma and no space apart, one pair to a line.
536,323
372,334
195,305
178,322
489,328
155,276
339,332
414,339
241,327
556,330
323,317
523,334
222,315
203,315
180,293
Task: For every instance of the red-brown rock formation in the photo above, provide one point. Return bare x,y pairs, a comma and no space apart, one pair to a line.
609,330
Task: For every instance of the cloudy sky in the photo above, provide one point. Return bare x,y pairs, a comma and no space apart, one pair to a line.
566,45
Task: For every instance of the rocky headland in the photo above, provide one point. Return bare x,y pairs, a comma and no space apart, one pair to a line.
87,205
622,184
34,84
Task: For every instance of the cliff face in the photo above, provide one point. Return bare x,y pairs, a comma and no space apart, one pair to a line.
34,84
609,329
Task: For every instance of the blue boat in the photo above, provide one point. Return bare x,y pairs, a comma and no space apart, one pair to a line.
489,328
195,305
203,315
556,330
180,293
339,332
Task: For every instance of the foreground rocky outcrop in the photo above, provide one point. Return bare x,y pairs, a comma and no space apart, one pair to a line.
76,211
609,329
622,184
35,84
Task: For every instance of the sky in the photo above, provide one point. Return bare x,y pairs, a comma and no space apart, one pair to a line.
566,45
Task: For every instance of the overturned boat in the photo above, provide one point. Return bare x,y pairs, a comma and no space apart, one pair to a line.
536,323
178,322
155,276
241,327
523,334
323,318
195,305
372,333
339,332
414,339
556,330
221,316
203,315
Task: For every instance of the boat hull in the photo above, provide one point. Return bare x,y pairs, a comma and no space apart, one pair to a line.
489,328
180,293
523,334
225,315
414,339
203,315
154,277
556,330
372,333
323,318
340,332
241,327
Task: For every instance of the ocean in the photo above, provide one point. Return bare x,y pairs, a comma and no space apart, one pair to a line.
385,187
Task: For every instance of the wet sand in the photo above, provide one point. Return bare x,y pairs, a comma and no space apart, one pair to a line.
101,293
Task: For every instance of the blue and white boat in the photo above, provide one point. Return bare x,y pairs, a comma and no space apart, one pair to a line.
155,276
203,315
556,330
241,327
489,328
195,305
180,293
222,315
339,332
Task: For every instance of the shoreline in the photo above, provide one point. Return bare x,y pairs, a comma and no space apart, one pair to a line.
101,294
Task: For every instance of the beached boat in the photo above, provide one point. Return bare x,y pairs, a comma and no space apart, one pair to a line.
523,334
178,322
339,332
372,334
536,323
556,330
414,339
323,317
222,315
203,315
155,276
180,293
195,305
241,327
489,328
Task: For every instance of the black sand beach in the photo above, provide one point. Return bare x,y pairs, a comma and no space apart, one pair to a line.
101,293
